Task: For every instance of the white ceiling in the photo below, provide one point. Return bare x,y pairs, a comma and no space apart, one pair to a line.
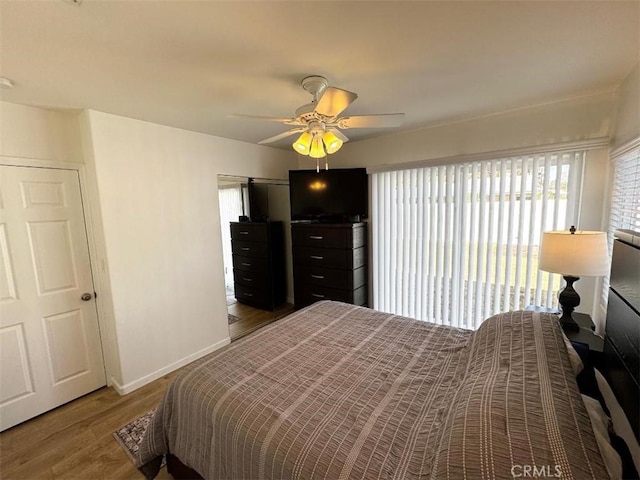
190,64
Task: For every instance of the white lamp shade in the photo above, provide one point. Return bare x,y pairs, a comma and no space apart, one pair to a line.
582,254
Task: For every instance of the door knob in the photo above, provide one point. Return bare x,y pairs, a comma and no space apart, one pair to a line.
85,297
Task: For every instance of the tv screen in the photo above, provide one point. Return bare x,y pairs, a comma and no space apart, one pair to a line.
339,195
258,201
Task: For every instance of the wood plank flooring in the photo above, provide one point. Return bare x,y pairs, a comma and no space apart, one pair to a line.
75,441
251,318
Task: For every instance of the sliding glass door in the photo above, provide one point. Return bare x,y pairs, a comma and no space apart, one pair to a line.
454,244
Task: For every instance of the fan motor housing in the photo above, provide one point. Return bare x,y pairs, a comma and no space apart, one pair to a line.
306,112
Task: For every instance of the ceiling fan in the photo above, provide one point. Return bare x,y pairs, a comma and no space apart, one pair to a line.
319,122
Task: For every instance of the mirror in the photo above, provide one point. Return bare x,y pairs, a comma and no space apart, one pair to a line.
259,203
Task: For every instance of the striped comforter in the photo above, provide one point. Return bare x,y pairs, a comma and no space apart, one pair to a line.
336,391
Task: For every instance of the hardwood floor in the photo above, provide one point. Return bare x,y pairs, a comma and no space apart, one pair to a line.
252,318
75,441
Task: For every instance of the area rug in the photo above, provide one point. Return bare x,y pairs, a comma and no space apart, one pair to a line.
232,318
130,436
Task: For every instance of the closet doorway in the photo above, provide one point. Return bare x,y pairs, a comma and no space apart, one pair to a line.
271,204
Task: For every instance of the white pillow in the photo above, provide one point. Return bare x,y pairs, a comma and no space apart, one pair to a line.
576,361
600,423
621,425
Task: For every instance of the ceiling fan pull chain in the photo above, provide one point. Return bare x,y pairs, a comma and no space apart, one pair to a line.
318,165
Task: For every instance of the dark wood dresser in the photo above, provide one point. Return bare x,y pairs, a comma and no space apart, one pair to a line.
258,263
329,262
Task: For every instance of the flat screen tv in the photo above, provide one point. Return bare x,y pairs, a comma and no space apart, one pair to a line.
338,195
258,201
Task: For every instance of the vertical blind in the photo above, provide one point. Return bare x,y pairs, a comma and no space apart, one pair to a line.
454,244
625,200
625,192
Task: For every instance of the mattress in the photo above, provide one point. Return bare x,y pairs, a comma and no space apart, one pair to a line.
336,391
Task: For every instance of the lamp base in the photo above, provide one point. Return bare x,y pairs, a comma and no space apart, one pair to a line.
569,300
568,324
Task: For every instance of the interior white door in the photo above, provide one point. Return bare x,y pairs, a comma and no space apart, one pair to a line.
50,350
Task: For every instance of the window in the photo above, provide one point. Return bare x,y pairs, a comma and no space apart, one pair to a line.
625,198
625,193
454,244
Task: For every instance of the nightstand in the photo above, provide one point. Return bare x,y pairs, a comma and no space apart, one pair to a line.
585,335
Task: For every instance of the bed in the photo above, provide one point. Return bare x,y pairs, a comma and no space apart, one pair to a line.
336,391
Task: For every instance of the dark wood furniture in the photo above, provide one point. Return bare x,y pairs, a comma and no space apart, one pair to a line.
329,263
258,263
622,339
587,336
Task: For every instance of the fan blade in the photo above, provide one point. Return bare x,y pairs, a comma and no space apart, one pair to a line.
339,134
334,101
371,121
282,135
286,121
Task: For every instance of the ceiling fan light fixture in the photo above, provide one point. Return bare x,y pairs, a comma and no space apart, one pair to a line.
303,143
317,149
319,123
331,142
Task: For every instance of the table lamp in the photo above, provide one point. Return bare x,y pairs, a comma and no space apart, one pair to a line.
573,254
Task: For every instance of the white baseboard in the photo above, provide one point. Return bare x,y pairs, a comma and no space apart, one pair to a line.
131,386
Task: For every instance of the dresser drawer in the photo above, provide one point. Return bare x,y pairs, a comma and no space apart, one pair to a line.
248,232
330,258
331,277
257,297
250,264
250,249
329,237
308,294
258,279
321,237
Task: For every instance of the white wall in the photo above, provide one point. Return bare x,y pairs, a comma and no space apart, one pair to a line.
152,194
158,201
40,134
578,119
627,122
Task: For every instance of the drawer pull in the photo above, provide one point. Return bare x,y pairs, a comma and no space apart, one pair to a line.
246,249
317,295
246,264
317,257
247,279
315,237
248,294
319,277
244,233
